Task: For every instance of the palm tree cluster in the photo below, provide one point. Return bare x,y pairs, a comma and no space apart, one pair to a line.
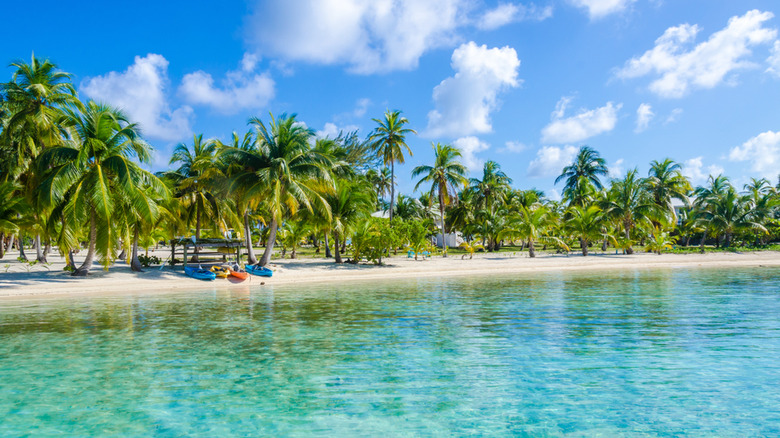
73,177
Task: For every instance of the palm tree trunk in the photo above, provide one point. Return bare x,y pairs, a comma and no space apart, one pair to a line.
604,245
83,270
250,251
135,264
630,249
531,249
71,261
584,246
269,245
20,244
441,211
328,254
392,188
703,238
39,255
2,245
11,242
197,231
46,248
336,242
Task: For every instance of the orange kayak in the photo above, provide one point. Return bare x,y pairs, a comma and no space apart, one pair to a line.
241,275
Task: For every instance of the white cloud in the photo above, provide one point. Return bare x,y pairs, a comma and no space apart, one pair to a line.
141,91
331,130
674,116
550,160
469,147
707,64
763,152
514,147
368,36
616,169
506,13
584,125
600,8
695,171
241,89
644,114
361,106
774,60
464,101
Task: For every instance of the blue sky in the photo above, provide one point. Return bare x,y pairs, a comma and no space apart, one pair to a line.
522,83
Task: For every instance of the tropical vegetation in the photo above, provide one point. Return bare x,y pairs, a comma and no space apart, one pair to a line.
74,179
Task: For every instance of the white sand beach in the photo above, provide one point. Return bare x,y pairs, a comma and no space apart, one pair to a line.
18,280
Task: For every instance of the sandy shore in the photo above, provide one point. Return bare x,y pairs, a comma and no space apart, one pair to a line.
17,279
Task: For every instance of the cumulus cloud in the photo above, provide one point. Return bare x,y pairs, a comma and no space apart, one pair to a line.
707,64
584,125
361,106
674,116
464,101
241,89
774,60
514,147
506,13
141,91
550,160
469,147
367,36
616,169
601,8
644,114
763,153
696,172
331,130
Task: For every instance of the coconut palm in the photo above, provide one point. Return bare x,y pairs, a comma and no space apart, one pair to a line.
731,213
289,175
582,176
491,191
96,171
532,224
11,209
36,97
389,142
585,223
629,204
445,176
350,203
665,182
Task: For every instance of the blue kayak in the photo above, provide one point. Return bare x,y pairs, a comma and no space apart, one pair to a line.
261,271
200,273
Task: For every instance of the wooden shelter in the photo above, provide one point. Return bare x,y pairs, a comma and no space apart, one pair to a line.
219,247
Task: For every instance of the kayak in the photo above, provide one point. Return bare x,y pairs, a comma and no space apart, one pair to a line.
199,273
261,271
236,272
220,271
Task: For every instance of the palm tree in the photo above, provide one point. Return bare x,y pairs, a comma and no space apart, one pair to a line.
195,182
582,176
36,97
381,180
445,175
244,160
532,224
629,203
665,182
731,213
95,172
585,223
389,142
349,203
11,208
291,175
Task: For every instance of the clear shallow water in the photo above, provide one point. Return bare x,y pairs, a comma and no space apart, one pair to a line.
646,353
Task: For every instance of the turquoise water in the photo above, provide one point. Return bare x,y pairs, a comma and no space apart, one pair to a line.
644,353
